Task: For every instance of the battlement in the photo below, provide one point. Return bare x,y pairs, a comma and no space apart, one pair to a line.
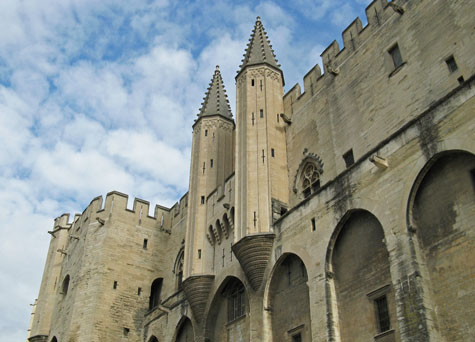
117,202
354,36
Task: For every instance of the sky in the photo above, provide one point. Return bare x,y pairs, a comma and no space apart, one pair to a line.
98,96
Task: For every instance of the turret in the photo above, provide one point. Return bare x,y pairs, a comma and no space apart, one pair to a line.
211,163
261,159
50,284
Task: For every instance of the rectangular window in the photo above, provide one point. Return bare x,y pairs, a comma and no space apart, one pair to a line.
236,304
451,64
261,113
252,83
206,132
297,337
396,56
202,200
115,284
314,225
145,243
199,253
349,158
382,314
277,117
139,291
272,152
211,163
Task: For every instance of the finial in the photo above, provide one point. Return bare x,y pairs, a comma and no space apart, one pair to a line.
217,67
258,18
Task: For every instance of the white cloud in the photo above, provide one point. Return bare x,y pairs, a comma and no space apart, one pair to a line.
101,95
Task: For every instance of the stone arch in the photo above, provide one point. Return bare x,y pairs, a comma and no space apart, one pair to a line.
440,214
155,291
210,235
358,281
226,226
178,268
228,315
54,339
288,300
309,171
153,338
65,285
219,233
184,331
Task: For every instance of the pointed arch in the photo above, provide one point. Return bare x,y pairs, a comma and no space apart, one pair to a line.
219,233
307,176
359,280
54,339
210,235
65,285
226,227
178,268
184,331
228,315
153,338
440,215
288,300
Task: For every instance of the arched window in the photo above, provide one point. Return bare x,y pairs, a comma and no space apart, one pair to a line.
236,301
153,339
155,293
179,270
310,179
65,286
54,339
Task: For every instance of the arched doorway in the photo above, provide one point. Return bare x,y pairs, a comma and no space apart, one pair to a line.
185,331
289,301
228,317
442,214
358,271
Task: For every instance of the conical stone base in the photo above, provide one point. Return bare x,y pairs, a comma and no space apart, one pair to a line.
197,290
253,253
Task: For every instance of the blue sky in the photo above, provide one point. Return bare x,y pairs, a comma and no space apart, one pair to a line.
101,95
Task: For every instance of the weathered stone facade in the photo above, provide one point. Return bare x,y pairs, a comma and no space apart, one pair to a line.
342,213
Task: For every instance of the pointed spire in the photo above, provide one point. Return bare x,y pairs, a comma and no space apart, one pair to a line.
216,100
259,49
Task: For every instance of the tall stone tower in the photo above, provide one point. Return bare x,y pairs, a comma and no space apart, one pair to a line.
51,283
212,160
261,159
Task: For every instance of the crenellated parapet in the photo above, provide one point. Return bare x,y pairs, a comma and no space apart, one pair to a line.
354,36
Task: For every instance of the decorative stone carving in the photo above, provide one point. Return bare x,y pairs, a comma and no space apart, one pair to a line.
197,289
253,253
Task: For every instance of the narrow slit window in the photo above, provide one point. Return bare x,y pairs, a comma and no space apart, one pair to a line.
272,152
206,132
382,314
277,117
252,83
115,284
199,253
396,56
211,163
202,200
261,113
139,291
145,243
314,225
349,158
451,64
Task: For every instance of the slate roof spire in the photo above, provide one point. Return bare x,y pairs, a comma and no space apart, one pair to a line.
216,100
259,50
